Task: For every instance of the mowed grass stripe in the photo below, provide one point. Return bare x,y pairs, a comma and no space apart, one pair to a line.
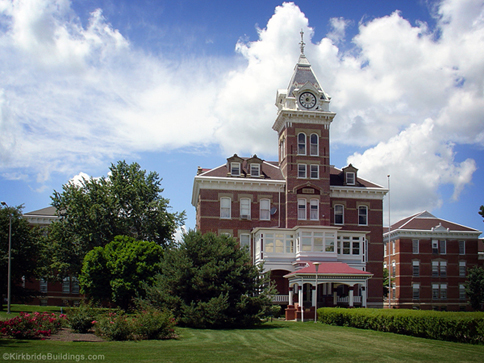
273,342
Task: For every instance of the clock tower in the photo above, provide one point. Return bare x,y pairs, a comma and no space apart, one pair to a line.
302,123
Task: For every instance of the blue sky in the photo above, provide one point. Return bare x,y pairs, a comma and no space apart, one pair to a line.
177,85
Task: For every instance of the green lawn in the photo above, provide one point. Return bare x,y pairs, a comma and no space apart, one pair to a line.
15,309
272,342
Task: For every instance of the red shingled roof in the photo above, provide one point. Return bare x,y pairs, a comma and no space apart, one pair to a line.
424,221
330,268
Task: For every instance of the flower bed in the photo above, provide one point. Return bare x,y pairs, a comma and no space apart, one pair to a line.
32,326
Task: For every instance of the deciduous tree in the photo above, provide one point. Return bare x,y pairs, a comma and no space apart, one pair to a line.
475,287
26,246
117,271
127,202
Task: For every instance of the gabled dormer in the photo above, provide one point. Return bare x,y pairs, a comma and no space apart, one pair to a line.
350,176
254,167
235,166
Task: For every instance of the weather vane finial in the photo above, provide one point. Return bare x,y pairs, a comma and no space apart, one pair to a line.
302,42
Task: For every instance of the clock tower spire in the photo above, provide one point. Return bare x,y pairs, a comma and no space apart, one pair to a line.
302,123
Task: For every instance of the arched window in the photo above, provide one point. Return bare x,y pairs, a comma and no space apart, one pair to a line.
314,210
314,145
301,144
339,214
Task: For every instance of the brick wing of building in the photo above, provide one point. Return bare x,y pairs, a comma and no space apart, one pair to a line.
300,210
428,259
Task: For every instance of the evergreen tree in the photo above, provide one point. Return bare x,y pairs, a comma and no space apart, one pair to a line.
475,287
209,282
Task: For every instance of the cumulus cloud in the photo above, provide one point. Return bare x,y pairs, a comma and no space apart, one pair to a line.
73,95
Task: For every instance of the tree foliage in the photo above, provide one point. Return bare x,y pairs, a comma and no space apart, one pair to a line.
475,287
481,211
117,271
209,282
26,246
127,202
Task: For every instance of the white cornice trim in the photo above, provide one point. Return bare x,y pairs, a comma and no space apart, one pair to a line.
418,233
223,183
286,116
358,192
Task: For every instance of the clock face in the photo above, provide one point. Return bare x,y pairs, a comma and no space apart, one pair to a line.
307,100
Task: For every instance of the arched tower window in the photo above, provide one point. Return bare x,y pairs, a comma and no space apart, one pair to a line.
314,145
301,144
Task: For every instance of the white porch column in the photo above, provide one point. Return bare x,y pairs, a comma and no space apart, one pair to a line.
301,302
291,296
350,302
363,296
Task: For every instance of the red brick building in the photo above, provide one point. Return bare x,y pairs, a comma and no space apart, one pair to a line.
428,260
52,292
300,209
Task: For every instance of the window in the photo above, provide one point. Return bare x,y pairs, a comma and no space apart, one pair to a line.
393,247
235,169
362,215
350,178
254,169
301,144
245,208
265,213
356,247
443,291
435,268
394,269
43,285
314,210
416,291
314,145
318,242
416,268
462,247
301,171
268,239
462,269
435,291
435,246
245,241
314,171
301,209
66,285
283,149
415,246
346,247
443,268
225,210
443,247
462,292
75,285
338,214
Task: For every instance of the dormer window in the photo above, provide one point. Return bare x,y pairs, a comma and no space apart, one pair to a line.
255,170
350,178
235,169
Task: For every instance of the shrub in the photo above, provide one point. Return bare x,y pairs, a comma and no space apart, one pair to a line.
114,326
155,324
81,318
31,326
450,326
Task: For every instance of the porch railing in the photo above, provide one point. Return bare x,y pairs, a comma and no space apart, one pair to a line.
280,299
346,299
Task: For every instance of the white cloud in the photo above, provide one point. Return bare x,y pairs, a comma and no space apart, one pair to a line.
74,95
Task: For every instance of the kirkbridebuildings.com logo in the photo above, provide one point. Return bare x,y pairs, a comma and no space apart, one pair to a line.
51,357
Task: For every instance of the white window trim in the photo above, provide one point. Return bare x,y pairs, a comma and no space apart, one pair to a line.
305,144
302,202
314,202
242,214
366,219
229,208
257,168
237,166
305,171
311,145
342,214
353,178
261,202
311,171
